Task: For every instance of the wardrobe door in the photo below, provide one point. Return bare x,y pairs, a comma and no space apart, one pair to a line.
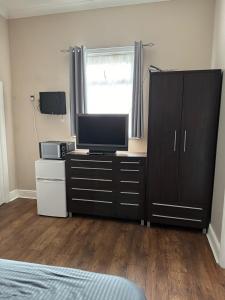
201,102
163,138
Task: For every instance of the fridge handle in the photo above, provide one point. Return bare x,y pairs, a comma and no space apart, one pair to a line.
49,180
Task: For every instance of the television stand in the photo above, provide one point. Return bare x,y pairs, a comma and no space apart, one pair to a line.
106,184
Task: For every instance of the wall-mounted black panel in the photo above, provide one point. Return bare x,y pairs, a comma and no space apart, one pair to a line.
53,103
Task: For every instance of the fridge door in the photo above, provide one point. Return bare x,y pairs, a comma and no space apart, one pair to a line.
51,198
50,169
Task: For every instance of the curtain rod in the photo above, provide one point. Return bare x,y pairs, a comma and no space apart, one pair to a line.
144,45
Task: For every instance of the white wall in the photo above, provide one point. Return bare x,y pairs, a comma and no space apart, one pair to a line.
217,227
181,29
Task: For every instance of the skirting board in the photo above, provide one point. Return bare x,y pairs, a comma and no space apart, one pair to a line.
214,243
30,194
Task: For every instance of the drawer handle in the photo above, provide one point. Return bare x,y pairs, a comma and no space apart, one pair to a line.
177,218
91,179
92,190
178,206
129,204
175,141
130,193
127,181
86,168
88,200
185,140
92,160
130,162
127,170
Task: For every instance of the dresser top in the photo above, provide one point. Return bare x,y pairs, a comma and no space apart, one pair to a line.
117,154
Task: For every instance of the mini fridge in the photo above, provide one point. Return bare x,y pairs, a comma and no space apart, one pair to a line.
51,188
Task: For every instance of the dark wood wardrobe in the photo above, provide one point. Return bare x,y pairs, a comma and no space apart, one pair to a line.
182,137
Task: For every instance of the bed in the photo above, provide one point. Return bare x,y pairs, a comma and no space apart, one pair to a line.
19,280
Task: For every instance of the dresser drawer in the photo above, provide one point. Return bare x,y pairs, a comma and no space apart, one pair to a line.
90,183
86,172
130,176
91,163
177,212
131,162
130,186
130,197
160,219
129,211
96,208
76,193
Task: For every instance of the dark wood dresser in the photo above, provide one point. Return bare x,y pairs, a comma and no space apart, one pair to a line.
106,185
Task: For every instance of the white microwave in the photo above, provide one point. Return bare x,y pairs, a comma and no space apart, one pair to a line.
55,149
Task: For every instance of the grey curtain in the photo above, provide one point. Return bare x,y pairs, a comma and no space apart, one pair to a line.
137,128
77,85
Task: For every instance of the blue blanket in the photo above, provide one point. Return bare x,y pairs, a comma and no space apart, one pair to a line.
23,281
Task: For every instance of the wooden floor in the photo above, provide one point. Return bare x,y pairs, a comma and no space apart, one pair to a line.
167,263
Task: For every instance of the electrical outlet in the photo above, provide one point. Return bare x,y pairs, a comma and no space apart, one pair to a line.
32,98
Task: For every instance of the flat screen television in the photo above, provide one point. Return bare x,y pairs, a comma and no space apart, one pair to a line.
102,133
53,103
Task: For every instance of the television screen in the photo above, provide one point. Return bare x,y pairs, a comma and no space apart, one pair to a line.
102,132
53,103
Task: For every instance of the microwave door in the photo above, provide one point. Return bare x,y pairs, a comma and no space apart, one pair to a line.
50,151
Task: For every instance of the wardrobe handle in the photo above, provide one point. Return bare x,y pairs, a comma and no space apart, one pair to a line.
175,141
185,140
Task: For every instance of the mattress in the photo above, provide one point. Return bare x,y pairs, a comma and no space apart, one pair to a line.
19,280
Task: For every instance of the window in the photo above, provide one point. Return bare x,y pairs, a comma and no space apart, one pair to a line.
109,80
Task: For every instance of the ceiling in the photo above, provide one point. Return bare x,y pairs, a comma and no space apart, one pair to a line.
26,8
